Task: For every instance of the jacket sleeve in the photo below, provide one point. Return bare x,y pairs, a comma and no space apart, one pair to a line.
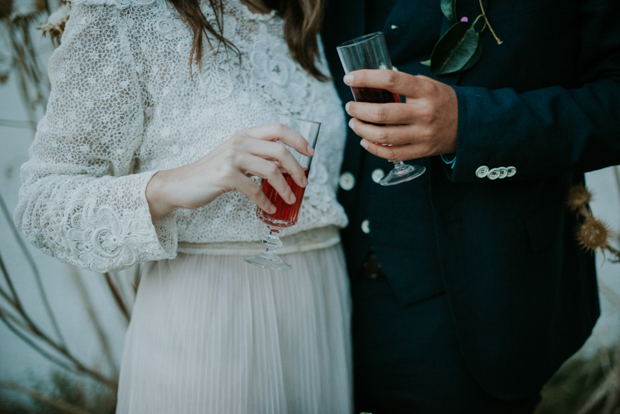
79,200
550,130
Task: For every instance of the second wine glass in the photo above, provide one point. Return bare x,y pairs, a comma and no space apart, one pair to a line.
370,52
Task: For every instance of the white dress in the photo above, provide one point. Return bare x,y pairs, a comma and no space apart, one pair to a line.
209,332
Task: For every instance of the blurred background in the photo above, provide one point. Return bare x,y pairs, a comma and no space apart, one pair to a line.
62,328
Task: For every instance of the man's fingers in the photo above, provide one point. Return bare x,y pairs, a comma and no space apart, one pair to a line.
384,134
284,134
253,191
387,113
275,151
397,82
270,171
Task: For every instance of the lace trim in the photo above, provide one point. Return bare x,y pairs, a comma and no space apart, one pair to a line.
121,4
305,241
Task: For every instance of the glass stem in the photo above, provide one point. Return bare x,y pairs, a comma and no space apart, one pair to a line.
399,165
272,241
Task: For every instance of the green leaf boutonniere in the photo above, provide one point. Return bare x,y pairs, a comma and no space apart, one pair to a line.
461,46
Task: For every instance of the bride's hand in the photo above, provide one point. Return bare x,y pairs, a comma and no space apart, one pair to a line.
251,152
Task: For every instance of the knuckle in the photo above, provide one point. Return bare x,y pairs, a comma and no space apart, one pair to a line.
380,113
391,78
279,128
272,170
255,191
382,136
281,151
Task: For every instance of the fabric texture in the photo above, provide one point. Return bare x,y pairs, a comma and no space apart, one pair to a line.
212,334
126,103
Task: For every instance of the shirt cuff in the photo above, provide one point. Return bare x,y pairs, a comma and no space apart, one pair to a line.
449,159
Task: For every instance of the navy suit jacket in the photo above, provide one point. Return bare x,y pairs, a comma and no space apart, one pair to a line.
547,102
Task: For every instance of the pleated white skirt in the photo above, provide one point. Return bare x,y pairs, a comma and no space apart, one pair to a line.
213,334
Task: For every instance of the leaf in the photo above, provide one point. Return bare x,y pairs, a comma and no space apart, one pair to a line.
454,49
426,62
476,56
448,8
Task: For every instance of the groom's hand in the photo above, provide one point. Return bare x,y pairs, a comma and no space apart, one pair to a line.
425,125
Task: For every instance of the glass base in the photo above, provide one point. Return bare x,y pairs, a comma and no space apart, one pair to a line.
269,261
402,173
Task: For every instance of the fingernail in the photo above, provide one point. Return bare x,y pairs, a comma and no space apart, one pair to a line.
292,198
272,209
305,182
351,123
348,79
310,150
346,107
364,144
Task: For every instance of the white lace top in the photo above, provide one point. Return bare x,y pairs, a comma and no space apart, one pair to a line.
124,105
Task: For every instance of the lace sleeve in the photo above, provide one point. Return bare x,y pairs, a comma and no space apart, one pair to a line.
78,200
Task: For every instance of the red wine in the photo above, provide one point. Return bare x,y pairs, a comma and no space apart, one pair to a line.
374,95
286,214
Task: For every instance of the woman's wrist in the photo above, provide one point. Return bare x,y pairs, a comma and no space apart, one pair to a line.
159,195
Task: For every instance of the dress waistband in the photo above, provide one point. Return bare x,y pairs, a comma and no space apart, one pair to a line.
303,241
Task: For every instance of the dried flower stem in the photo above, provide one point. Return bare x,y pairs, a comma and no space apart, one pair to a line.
105,345
484,14
61,405
28,325
118,298
35,272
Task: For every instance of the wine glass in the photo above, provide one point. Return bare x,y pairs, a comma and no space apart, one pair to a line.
370,52
286,214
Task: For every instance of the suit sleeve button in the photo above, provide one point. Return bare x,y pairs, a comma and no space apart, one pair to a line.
346,181
482,171
511,171
503,172
493,174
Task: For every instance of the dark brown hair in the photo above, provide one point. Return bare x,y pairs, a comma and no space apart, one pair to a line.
302,20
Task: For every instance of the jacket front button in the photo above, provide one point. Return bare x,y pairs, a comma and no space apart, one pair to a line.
482,171
377,175
366,226
346,181
393,27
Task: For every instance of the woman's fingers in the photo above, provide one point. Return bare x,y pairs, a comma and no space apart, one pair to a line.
282,133
269,170
275,151
253,191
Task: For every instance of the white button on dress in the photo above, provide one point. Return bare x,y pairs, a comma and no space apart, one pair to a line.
346,181
366,226
377,175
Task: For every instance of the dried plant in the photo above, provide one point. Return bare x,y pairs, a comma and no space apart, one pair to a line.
592,233
54,26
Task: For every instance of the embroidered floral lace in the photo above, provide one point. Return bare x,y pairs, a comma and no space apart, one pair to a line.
125,104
